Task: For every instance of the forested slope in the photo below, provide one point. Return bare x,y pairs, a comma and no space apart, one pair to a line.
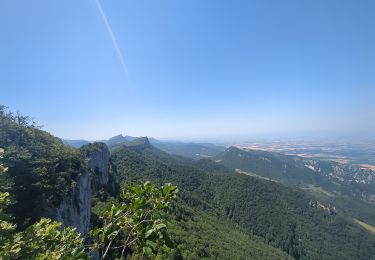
340,179
283,217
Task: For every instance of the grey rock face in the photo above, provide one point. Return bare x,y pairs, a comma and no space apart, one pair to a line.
75,210
97,157
98,161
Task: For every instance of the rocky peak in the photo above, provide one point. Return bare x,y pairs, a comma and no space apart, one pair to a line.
97,157
139,143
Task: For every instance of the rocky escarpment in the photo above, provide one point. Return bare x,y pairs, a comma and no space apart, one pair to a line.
329,209
97,157
139,144
75,210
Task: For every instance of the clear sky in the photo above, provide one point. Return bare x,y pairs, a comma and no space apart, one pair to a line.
189,68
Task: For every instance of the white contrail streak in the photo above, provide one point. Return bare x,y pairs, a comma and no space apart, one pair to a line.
113,39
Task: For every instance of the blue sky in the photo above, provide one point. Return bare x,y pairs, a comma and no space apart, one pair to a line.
189,69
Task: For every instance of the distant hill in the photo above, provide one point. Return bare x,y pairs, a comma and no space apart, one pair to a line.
75,143
111,142
189,150
340,179
119,140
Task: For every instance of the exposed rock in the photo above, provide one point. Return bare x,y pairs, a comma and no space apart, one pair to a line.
139,144
75,210
331,210
97,157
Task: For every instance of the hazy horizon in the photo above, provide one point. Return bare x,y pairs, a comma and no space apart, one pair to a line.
190,70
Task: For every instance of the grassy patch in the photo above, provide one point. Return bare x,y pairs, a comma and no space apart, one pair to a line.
365,225
318,189
254,175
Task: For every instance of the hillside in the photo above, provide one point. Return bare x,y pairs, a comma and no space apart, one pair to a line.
292,224
340,179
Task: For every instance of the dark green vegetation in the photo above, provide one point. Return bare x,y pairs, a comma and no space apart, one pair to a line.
282,216
218,214
199,234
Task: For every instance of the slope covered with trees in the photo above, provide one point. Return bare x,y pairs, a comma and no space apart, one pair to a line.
340,179
284,217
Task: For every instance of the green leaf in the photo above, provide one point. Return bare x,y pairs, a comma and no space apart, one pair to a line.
147,250
149,233
151,244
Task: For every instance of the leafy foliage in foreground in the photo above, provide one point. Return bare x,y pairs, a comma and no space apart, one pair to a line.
134,226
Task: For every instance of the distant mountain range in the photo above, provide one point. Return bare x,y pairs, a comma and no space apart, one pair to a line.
75,143
190,150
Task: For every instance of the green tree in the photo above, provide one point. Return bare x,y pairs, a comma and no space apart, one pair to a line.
134,226
6,227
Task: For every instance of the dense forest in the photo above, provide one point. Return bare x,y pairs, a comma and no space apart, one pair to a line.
282,216
208,211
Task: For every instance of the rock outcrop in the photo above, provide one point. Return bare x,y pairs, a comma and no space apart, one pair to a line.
329,209
139,144
75,210
97,157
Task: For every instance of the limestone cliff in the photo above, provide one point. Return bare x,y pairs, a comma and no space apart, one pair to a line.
97,157
75,210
